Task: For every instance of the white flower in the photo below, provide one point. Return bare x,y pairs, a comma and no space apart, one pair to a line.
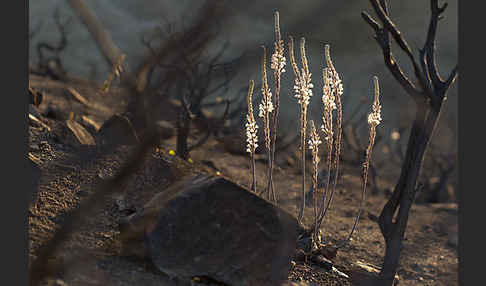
336,84
251,134
328,97
327,132
303,89
315,139
314,143
266,105
278,62
374,118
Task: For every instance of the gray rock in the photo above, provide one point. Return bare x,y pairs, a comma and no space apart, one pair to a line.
208,226
118,130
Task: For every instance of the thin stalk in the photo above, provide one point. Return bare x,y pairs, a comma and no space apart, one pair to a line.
278,63
374,120
269,173
253,171
265,108
303,125
363,191
337,92
314,143
337,154
327,128
328,180
303,92
251,135
274,133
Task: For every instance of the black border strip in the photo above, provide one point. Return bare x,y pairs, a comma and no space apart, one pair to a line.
15,175
471,145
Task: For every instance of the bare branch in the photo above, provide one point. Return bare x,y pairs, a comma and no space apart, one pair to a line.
423,64
391,27
429,46
62,42
452,77
95,27
382,39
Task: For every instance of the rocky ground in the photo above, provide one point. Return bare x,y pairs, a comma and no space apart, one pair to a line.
64,144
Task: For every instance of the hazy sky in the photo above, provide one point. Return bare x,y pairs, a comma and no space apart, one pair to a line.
356,54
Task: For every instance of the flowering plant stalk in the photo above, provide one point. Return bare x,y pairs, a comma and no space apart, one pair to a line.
266,107
331,98
278,67
374,119
314,143
303,92
251,135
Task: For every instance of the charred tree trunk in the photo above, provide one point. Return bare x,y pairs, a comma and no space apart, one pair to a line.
183,125
428,95
405,190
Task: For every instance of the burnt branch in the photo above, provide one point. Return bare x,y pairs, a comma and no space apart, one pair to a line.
390,27
62,42
102,38
426,73
382,38
429,46
204,76
52,66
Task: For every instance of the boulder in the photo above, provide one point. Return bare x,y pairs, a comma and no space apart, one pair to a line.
118,130
205,226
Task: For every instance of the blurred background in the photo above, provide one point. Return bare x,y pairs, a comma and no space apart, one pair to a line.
356,55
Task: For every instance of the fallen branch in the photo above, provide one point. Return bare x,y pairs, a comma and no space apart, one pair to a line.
108,48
